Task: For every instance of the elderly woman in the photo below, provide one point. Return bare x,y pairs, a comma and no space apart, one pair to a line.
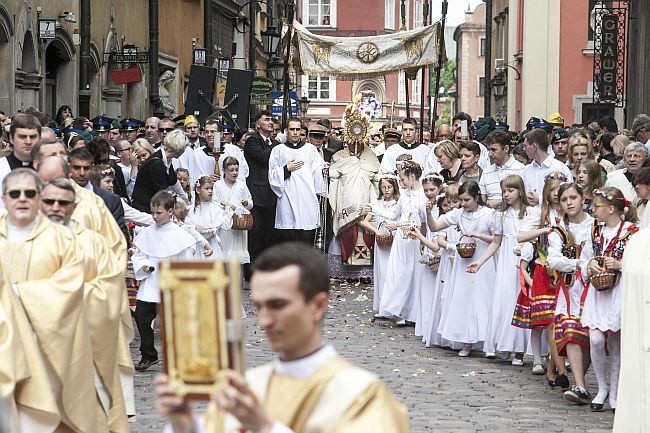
633,158
157,173
449,160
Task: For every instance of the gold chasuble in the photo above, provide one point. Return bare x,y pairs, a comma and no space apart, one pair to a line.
92,213
48,276
103,290
337,398
23,375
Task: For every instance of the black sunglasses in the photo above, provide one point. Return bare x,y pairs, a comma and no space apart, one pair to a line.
165,129
51,201
15,193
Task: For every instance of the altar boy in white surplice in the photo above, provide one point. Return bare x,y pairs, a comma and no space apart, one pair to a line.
161,241
296,176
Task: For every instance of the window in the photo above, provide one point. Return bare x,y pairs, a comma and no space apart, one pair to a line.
416,85
321,87
482,47
417,14
401,90
481,86
319,13
389,16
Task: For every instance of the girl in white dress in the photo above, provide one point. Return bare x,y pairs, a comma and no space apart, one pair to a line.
383,212
206,215
613,228
470,299
446,240
431,184
234,196
399,293
564,245
501,336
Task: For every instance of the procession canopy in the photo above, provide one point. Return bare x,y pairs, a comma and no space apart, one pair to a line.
364,57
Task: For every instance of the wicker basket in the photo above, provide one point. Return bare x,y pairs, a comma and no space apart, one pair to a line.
384,240
604,280
242,222
434,262
466,250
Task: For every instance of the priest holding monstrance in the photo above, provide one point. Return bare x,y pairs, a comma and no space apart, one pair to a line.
352,186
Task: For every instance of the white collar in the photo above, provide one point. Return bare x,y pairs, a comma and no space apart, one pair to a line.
304,368
89,186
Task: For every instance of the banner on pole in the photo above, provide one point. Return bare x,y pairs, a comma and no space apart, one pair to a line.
364,57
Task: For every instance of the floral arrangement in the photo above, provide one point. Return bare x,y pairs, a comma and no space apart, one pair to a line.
365,104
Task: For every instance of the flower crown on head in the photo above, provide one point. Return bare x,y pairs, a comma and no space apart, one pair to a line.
388,176
107,172
609,197
432,175
555,175
197,184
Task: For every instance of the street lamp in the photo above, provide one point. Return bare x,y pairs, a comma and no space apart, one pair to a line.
499,85
275,68
271,38
303,104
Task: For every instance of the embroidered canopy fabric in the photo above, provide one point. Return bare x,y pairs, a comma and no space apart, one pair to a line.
364,57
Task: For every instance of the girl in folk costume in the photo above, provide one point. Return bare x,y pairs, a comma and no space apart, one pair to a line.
603,252
234,196
399,293
383,212
469,302
501,335
535,308
208,216
431,184
565,243
445,242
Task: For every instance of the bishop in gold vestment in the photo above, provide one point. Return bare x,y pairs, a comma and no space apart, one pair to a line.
47,276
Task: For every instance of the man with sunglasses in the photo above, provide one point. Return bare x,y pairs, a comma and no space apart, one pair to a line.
103,286
41,263
165,126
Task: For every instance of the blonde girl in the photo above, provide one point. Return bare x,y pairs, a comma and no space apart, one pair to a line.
536,310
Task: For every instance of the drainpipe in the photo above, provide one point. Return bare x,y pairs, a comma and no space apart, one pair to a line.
487,99
207,31
84,64
154,72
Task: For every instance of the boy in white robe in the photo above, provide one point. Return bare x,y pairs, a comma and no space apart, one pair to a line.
296,177
161,241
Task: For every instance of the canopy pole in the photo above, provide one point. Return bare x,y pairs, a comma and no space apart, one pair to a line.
423,85
441,38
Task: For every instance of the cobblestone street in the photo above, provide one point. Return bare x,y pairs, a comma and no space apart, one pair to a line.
443,392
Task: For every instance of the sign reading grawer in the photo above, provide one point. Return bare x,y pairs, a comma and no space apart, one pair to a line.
203,328
609,58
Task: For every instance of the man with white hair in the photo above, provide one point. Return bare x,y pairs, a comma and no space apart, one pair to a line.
633,158
641,129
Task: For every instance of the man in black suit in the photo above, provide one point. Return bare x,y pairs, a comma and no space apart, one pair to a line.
81,164
257,151
158,173
332,145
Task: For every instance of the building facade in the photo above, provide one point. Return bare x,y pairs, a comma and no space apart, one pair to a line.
470,62
544,61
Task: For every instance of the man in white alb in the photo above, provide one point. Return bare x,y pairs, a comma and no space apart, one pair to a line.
409,145
296,177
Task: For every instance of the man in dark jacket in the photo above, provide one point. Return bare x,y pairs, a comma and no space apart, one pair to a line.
257,152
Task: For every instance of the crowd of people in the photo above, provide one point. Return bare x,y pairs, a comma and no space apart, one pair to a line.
481,238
